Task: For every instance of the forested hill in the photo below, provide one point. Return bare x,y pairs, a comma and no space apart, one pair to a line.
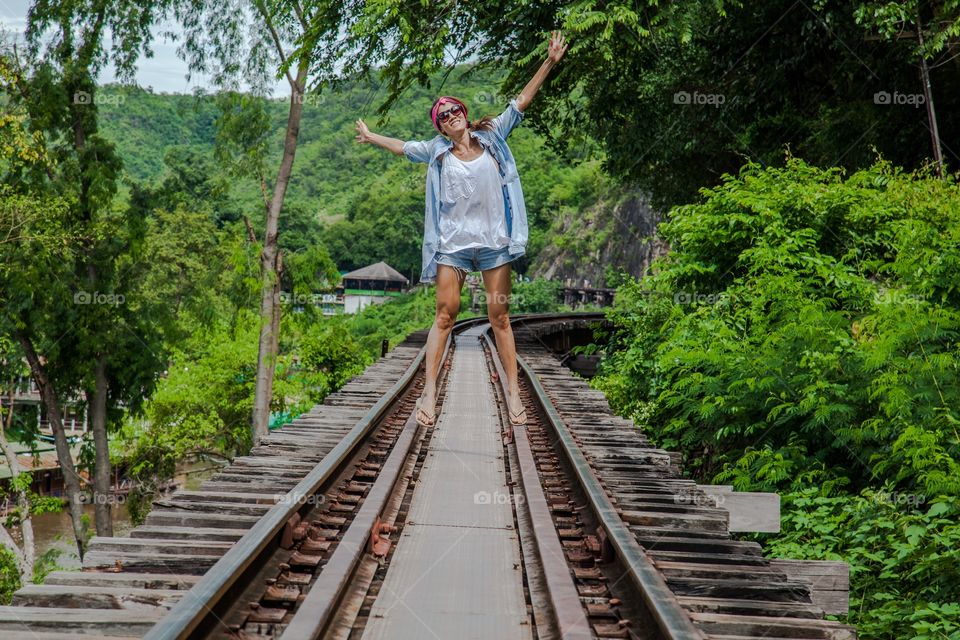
363,203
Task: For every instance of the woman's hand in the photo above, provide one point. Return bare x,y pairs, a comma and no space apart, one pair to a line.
555,50
557,46
363,133
390,144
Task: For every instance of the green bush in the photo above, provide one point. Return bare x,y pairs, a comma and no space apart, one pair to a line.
330,349
201,409
804,313
801,337
536,296
904,556
9,575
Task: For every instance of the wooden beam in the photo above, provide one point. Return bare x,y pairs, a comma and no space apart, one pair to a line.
829,582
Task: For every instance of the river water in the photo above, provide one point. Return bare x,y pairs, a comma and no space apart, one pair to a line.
54,531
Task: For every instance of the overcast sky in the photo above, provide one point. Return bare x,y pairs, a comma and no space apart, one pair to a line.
164,72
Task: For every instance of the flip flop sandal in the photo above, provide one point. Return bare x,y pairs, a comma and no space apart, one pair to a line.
515,418
419,411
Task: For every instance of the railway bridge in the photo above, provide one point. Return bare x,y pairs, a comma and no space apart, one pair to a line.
354,522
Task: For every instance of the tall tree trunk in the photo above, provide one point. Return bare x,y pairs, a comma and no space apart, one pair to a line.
275,319
102,495
26,557
269,264
928,101
71,480
97,406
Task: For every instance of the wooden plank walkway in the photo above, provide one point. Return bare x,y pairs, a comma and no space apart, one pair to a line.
456,570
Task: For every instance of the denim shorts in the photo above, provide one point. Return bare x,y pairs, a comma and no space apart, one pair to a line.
476,258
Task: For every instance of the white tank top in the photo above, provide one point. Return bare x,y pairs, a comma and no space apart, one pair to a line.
471,204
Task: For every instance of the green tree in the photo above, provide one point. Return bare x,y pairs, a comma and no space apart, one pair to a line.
698,86
276,28
94,332
37,253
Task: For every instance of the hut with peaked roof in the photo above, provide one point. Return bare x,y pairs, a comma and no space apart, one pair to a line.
372,284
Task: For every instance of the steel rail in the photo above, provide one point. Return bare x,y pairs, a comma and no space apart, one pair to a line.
198,609
670,617
565,604
319,605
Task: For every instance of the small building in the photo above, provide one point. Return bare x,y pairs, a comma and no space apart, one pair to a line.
372,284
41,462
27,401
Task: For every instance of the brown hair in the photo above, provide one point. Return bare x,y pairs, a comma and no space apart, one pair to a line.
485,123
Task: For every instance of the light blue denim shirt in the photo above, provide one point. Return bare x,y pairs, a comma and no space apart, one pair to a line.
431,152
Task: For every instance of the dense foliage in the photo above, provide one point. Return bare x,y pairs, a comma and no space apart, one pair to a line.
676,94
801,337
902,552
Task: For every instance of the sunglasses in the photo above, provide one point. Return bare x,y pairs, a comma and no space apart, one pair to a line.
443,116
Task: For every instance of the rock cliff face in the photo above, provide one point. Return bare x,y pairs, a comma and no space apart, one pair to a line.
617,233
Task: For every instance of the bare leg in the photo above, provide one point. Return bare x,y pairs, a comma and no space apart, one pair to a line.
449,283
497,282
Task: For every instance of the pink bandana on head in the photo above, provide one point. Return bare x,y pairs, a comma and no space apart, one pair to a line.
442,101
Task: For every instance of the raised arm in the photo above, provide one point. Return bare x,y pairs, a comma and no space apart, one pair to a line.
555,51
364,135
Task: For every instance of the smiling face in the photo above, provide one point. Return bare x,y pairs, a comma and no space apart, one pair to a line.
455,121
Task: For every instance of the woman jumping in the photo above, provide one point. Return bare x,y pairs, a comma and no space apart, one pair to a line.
475,220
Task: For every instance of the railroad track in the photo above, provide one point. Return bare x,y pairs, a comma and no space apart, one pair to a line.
663,540
296,539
